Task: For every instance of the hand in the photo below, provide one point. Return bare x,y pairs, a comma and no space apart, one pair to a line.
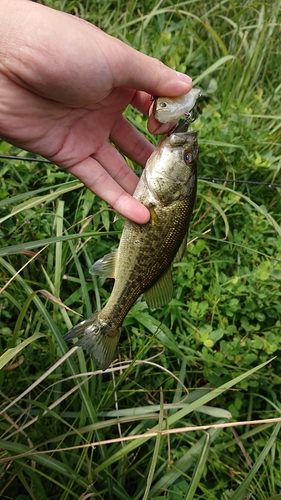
64,86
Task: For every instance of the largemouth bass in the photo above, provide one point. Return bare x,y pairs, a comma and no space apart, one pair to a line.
168,109
143,261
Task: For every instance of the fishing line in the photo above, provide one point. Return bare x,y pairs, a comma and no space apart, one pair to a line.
240,181
24,158
210,179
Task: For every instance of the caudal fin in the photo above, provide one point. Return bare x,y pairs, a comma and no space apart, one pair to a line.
97,338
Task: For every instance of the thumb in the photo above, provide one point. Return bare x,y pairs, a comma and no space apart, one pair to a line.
138,71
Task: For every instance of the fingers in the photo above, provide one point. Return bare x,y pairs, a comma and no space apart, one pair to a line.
156,127
110,189
113,163
131,142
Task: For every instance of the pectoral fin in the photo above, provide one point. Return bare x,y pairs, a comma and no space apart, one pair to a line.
161,292
105,267
117,217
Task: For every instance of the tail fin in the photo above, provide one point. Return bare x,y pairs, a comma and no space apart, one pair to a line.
97,338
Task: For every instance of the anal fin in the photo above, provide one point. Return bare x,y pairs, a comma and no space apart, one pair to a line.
181,250
161,292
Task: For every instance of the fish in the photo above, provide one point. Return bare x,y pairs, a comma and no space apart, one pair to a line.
142,264
168,109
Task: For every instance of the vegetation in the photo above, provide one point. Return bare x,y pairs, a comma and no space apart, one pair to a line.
212,356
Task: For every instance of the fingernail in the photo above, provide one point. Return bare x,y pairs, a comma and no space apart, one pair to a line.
184,78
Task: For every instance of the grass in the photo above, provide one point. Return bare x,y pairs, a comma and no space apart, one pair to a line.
209,358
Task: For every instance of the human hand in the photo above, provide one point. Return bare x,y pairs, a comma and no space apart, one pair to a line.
64,86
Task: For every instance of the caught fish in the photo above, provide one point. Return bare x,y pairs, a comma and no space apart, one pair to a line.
143,261
168,109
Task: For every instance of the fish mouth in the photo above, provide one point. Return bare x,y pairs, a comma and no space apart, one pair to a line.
181,128
180,135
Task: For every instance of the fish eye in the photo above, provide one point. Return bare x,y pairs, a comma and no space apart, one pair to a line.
188,158
162,104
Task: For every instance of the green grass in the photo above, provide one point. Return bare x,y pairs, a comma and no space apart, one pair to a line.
212,356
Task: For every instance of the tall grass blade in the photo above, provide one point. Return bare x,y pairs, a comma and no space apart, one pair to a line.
199,468
243,488
212,68
155,452
14,351
184,463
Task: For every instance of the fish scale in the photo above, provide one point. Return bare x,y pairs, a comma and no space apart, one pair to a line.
143,261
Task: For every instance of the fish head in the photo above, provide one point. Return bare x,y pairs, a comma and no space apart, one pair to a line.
171,171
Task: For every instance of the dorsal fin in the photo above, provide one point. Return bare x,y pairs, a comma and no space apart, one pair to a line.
105,267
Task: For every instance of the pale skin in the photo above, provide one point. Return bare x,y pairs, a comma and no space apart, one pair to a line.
64,86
